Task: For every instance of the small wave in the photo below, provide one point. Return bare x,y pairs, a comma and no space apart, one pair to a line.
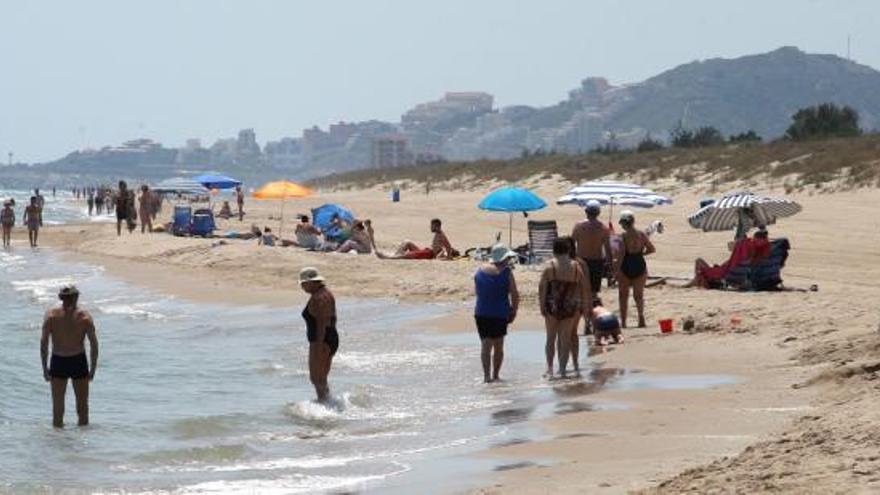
42,290
298,483
214,453
371,361
137,311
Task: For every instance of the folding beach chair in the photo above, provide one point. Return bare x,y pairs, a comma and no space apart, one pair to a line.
763,275
542,233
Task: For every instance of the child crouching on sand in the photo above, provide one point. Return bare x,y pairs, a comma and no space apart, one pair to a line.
606,325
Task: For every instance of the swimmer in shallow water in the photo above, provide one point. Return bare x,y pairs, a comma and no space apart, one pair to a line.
320,317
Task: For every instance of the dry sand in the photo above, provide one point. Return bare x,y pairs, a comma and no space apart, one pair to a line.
802,418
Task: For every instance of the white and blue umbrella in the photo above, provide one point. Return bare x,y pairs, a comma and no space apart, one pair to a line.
726,213
179,185
613,193
512,200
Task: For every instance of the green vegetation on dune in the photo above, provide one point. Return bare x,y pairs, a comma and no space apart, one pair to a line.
850,162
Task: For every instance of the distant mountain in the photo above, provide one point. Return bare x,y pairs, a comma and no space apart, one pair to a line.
758,92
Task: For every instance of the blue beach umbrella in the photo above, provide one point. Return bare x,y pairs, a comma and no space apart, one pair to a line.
217,181
512,200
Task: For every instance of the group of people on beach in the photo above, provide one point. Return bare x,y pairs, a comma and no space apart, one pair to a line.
32,218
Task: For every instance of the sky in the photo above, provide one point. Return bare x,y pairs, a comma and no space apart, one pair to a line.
92,73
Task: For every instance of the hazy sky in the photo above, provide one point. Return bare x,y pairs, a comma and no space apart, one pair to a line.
89,73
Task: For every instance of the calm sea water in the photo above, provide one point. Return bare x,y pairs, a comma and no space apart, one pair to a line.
195,398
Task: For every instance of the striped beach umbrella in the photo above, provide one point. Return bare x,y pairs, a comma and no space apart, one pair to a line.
613,193
751,209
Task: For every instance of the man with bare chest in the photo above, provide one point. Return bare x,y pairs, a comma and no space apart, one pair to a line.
593,241
67,327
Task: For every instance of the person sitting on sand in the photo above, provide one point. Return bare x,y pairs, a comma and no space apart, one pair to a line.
267,238
606,325
752,250
225,211
440,248
359,241
496,307
307,235
7,220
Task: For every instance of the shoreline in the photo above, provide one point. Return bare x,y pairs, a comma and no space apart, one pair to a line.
798,360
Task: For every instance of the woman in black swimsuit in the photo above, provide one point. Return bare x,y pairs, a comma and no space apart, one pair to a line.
631,268
320,317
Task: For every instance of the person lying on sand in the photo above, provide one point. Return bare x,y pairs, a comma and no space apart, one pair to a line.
440,248
753,250
606,325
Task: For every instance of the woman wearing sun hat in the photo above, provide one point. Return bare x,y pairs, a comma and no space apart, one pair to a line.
320,317
496,307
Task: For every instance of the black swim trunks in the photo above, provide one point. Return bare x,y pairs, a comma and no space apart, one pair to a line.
76,367
596,268
607,324
491,328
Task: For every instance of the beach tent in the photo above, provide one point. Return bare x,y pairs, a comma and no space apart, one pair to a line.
179,185
512,200
282,190
322,217
729,212
613,193
211,181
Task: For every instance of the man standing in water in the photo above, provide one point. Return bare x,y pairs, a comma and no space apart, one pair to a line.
320,317
67,328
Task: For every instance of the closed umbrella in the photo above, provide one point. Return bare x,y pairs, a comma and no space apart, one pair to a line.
282,190
742,211
511,200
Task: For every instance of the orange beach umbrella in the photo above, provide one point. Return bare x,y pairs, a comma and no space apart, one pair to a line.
282,190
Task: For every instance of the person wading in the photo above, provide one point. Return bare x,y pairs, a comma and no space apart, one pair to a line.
496,307
320,317
66,328
564,294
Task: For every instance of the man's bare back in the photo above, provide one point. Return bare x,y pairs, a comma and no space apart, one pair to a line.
67,330
591,237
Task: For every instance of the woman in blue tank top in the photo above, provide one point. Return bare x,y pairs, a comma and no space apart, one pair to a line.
496,307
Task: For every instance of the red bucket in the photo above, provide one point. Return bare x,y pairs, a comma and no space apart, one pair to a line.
665,326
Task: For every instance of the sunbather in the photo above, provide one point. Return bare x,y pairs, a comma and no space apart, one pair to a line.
267,238
307,235
359,241
745,250
440,248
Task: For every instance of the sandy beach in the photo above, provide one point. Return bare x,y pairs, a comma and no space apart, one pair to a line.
800,416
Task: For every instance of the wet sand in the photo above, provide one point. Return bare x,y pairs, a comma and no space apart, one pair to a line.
792,351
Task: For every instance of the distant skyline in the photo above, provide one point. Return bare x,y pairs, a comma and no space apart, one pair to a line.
95,73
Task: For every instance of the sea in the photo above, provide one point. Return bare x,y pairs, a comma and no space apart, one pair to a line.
215,398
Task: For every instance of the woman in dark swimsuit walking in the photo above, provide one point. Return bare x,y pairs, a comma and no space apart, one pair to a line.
320,317
631,269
